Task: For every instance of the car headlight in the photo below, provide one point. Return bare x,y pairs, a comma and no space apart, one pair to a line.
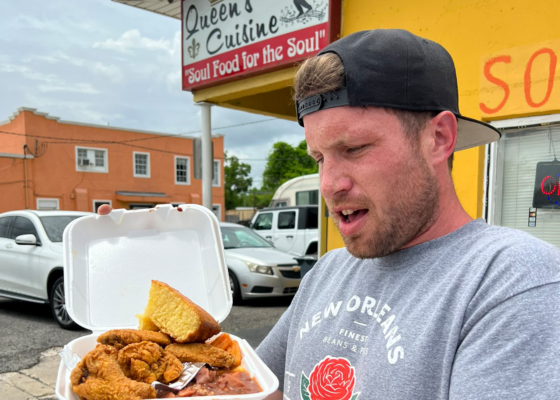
259,269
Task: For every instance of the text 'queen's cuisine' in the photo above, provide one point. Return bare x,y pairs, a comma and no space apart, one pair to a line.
174,336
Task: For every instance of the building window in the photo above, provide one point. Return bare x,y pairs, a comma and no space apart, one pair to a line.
140,206
99,203
99,158
217,210
216,172
91,160
48,204
141,164
512,175
182,171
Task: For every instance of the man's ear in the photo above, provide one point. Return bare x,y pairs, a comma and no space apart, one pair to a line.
443,131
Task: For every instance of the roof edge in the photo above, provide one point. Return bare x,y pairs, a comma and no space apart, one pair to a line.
117,128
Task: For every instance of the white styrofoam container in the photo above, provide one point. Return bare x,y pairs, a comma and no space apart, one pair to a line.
110,261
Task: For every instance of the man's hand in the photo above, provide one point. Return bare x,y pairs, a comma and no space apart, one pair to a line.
104,209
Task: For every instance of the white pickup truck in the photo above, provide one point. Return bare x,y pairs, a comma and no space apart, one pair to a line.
291,229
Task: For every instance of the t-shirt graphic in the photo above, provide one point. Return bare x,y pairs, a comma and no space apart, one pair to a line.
331,379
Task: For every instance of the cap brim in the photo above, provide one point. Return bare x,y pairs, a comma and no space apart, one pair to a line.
473,133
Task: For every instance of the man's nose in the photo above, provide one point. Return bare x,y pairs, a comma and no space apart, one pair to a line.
334,178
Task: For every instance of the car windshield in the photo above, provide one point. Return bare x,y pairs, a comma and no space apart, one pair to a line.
54,226
237,237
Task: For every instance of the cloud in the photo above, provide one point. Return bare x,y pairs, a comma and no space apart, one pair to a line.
48,59
76,88
70,59
102,62
28,73
133,40
27,21
96,117
112,72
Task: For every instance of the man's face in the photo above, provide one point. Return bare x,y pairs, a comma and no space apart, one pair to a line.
377,185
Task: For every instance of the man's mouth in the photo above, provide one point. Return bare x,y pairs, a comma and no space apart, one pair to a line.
349,216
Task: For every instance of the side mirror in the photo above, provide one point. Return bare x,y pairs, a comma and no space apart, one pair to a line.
27,240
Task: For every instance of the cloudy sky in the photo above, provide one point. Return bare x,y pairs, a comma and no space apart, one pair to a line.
100,62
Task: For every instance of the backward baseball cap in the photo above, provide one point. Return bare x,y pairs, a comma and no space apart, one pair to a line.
396,69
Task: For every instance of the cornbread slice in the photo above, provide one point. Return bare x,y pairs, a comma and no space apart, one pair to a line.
174,314
146,324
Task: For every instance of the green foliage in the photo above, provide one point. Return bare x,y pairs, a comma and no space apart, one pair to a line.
257,198
286,162
237,181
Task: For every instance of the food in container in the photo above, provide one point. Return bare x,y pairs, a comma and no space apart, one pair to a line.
110,262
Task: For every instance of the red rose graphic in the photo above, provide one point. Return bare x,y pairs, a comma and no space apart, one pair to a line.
332,379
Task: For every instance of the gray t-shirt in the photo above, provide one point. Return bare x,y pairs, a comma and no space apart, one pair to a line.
474,314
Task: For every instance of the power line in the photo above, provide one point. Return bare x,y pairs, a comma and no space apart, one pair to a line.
124,143
64,140
190,133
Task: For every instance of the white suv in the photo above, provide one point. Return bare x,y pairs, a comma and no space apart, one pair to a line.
31,258
290,229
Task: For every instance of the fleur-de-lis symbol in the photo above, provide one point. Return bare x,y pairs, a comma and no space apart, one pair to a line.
193,48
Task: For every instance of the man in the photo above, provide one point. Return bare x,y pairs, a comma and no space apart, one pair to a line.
424,302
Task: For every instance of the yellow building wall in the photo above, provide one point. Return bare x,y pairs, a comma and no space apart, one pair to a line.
471,30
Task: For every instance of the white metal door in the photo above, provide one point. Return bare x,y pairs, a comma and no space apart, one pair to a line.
285,235
263,225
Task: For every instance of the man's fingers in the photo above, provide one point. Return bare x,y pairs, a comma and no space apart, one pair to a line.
104,209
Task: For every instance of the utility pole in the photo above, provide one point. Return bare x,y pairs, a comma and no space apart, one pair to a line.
207,162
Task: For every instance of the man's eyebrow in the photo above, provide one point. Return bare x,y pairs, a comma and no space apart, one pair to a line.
312,153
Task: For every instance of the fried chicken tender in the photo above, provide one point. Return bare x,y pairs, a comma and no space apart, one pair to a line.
148,362
99,377
119,338
199,352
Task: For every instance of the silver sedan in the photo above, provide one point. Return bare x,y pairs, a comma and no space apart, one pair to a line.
256,268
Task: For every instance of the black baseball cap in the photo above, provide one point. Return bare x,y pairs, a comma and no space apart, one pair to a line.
396,69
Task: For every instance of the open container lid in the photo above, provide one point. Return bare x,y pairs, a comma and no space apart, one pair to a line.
110,261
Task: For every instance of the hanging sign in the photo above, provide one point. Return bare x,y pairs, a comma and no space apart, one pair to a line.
228,39
547,185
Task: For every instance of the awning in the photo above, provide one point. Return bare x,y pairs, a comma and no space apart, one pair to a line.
143,197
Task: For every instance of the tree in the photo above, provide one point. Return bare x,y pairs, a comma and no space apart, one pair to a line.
286,162
259,198
237,181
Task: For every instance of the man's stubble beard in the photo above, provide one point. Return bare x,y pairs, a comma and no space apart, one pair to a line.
404,218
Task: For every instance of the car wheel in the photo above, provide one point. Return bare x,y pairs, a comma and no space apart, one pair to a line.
235,288
58,305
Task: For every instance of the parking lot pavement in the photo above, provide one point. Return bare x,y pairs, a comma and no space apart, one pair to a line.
37,382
